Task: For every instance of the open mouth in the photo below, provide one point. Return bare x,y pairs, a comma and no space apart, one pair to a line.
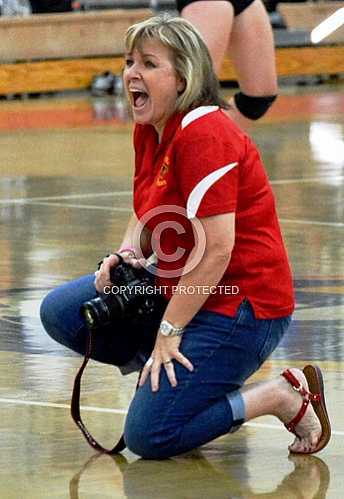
139,98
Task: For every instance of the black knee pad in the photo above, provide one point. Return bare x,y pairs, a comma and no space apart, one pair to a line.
253,107
238,5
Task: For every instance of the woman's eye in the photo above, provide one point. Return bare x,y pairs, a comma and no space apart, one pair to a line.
128,62
150,64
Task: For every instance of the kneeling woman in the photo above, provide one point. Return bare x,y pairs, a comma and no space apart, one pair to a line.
204,204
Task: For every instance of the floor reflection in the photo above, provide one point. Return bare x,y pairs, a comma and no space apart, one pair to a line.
196,476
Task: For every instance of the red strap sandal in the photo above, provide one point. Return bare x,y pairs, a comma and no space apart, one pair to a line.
316,397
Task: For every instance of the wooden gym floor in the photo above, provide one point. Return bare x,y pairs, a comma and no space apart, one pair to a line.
65,196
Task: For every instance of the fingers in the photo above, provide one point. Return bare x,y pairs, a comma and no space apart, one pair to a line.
184,361
153,367
145,371
102,276
169,368
155,375
108,263
137,262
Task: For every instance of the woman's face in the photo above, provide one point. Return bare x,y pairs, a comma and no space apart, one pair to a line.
152,84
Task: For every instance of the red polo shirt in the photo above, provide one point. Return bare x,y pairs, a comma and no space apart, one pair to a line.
205,165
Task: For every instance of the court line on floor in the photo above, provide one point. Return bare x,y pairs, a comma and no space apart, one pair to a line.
66,196
81,206
124,412
310,222
17,323
306,179
61,406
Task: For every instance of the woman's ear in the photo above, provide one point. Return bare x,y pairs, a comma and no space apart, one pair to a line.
181,84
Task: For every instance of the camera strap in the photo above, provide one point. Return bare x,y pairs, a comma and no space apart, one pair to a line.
75,406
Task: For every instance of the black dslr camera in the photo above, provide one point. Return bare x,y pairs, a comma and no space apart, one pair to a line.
128,297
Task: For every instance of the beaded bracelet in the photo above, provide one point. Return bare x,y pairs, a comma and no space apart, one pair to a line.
128,249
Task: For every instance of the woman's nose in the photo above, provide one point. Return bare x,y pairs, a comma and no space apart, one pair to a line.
133,71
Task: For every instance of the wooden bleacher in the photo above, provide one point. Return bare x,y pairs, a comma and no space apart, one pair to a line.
306,15
56,52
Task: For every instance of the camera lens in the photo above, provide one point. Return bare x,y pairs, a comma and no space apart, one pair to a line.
102,311
95,312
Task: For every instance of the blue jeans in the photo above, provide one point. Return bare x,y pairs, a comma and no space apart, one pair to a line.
61,318
206,403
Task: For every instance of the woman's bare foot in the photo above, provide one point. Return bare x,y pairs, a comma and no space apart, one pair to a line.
309,428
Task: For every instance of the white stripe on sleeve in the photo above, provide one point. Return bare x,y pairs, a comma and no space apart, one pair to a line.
197,113
199,191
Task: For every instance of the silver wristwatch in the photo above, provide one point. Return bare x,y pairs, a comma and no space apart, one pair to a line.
168,329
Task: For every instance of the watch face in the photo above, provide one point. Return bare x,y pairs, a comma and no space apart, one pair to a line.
165,328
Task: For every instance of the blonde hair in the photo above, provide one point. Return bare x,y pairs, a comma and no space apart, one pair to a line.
192,60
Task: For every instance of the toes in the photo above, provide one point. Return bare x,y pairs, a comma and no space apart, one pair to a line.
297,446
314,440
304,445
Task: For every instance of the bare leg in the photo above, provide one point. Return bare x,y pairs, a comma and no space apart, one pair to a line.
277,398
213,19
247,38
251,49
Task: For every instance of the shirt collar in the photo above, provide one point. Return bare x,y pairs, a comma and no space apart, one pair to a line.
171,127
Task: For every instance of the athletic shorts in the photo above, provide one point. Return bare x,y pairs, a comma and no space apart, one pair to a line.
238,5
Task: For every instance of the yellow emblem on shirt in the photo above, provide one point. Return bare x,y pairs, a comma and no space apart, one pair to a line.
161,181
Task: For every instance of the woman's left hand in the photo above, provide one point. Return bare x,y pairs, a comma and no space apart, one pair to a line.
165,350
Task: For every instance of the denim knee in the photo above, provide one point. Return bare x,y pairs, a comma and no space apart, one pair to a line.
48,316
59,321
148,449
60,311
148,440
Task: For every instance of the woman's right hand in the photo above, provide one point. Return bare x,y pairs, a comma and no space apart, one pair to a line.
103,274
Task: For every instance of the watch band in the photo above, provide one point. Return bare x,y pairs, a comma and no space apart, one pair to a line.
168,329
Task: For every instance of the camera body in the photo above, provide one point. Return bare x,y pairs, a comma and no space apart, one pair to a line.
127,298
